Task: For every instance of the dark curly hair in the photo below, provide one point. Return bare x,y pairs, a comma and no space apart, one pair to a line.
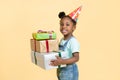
62,15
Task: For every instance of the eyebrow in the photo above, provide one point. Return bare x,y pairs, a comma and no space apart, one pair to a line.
63,22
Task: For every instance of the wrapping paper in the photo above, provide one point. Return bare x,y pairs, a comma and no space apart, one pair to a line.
43,59
43,36
44,45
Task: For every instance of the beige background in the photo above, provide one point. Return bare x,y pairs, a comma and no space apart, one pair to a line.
97,31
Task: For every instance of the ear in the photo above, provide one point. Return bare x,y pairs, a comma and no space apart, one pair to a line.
74,27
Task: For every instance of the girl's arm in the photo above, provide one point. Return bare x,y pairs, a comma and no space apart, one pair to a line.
60,61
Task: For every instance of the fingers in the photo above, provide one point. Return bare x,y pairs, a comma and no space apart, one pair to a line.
54,63
57,57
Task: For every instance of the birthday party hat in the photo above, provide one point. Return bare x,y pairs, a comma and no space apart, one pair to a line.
74,14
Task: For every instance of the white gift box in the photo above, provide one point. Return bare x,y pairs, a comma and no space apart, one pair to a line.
43,60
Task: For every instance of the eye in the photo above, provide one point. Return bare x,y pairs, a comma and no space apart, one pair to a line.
67,24
61,24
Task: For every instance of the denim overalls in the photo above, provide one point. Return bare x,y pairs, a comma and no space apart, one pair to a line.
70,72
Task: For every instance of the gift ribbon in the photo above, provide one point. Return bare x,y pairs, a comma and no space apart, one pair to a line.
50,36
59,56
35,52
47,46
59,67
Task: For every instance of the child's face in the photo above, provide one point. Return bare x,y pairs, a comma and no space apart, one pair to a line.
66,26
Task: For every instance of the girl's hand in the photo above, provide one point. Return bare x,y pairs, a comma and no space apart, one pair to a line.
60,61
57,62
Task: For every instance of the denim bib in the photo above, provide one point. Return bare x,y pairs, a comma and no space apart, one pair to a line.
62,47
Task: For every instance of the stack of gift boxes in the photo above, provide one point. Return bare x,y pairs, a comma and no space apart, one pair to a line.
44,48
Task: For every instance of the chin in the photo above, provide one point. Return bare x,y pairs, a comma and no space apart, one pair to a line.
64,34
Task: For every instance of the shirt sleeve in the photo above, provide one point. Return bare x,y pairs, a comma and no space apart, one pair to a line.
75,46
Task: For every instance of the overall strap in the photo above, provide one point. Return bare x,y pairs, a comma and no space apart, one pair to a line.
67,41
65,44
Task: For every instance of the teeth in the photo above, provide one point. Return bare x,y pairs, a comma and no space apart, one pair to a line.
64,31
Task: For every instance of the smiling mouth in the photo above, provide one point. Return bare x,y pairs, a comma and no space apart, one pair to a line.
64,31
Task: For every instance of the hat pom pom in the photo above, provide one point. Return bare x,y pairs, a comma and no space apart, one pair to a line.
61,14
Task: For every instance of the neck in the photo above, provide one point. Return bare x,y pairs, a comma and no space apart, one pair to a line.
67,36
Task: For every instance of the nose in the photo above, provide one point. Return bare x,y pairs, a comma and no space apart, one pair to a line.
64,26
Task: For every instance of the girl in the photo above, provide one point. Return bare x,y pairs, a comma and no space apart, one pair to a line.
70,45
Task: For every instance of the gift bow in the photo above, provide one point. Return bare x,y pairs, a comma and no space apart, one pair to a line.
41,31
